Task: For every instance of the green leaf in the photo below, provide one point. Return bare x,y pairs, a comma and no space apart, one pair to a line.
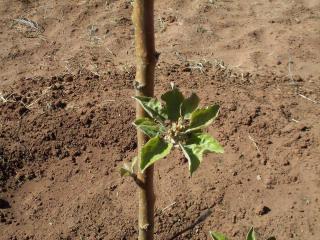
206,142
251,234
153,107
194,155
201,118
196,145
128,168
125,170
155,149
217,236
173,100
149,127
189,105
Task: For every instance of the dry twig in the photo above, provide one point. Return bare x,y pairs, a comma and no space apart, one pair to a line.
169,206
309,99
254,143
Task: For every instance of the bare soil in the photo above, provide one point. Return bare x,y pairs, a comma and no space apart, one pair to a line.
66,82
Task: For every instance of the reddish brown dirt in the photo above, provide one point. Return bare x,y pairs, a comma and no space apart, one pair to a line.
66,116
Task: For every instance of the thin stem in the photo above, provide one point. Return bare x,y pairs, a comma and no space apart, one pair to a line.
143,20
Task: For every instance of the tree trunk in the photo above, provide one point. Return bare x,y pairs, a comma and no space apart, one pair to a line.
143,20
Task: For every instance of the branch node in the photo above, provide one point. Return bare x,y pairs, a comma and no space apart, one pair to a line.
138,86
145,227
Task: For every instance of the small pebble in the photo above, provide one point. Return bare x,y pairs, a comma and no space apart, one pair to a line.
262,210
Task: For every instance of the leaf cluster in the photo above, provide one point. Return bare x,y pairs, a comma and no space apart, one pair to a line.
176,121
251,235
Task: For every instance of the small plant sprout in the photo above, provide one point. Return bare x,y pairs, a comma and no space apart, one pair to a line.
175,122
251,235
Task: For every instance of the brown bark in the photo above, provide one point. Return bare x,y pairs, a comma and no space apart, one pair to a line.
143,20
